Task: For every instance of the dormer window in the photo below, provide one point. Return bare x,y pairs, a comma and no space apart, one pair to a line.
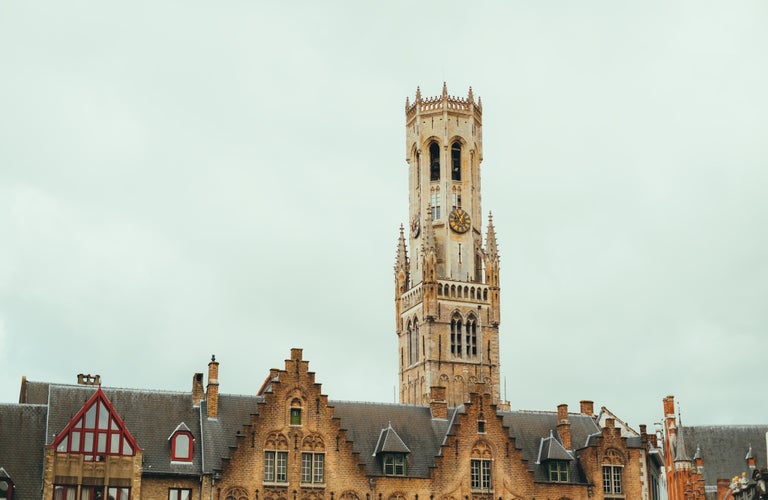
394,464
558,471
182,444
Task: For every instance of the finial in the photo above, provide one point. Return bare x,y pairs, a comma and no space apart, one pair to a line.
213,358
401,229
445,90
470,95
480,102
418,94
407,103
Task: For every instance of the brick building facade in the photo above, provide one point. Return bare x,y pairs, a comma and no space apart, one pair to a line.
451,438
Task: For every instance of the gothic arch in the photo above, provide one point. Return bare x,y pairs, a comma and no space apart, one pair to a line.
396,495
482,449
235,493
313,442
349,495
276,441
613,456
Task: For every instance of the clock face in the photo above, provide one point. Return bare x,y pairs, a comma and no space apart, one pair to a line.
459,220
416,226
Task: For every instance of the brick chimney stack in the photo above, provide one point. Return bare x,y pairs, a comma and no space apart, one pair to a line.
197,389
437,404
212,391
564,426
587,407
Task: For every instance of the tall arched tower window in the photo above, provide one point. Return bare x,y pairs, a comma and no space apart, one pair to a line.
415,342
456,334
409,342
456,161
434,162
471,343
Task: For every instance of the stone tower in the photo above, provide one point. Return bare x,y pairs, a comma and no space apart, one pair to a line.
446,283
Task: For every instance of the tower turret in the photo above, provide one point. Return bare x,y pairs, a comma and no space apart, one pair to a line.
448,314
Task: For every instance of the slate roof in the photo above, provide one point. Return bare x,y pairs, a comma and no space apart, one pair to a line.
530,427
723,449
415,426
150,417
220,434
551,449
22,429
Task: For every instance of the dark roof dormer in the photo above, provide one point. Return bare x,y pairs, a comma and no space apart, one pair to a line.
551,449
182,444
390,442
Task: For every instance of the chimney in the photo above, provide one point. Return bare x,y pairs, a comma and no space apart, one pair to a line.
587,407
644,435
88,379
669,406
212,391
698,459
197,389
654,439
437,404
564,426
610,423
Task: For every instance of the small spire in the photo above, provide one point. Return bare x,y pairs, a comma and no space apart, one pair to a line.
470,95
402,252
407,103
680,454
445,91
480,102
491,248
418,94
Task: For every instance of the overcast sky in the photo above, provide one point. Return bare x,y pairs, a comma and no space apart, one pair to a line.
179,179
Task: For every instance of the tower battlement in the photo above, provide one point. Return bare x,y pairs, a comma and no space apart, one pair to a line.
438,104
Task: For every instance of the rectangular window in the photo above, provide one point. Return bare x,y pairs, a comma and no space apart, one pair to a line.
179,494
313,468
394,464
612,479
295,416
91,492
64,492
435,204
480,474
275,466
558,471
119,493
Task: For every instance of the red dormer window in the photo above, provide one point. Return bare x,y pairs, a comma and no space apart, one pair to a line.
182,444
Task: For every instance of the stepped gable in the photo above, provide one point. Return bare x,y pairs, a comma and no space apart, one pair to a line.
415,426
25,469
723,449
150,417
221,434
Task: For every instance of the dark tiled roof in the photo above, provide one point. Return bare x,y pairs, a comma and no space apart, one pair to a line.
530,427
220,434
150,417
415,426
22,436
724,448
35,393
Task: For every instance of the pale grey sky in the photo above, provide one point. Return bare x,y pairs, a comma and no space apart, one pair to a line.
182,178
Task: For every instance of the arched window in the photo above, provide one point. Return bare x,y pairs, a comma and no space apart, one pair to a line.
434,162
6,486
414,339
236,493
471,334
456,334
313,460
409,341
613,468
456,161
480,467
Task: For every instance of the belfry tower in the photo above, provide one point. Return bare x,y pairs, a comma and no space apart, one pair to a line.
447,291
